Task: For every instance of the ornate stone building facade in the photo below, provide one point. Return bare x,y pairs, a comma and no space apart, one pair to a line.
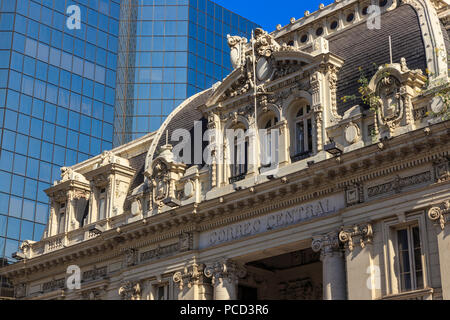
354,204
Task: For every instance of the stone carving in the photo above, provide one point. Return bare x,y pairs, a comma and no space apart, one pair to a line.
226,270
159,252
186,242
106,157
161,181
20,290
327,244
93,294
237,48
352,133
300,289
130,257
362,234
265,44
354,194
392,102
190,276
440,213
442,169
398,183
130,290
66,173
136,207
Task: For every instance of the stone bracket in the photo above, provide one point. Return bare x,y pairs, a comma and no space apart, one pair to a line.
362,234
440,214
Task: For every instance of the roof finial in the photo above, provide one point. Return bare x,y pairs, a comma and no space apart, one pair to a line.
167,137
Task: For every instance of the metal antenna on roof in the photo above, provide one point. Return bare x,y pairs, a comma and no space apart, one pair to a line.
256,101
390,48
167,137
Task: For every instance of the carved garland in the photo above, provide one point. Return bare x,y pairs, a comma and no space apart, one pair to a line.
362,234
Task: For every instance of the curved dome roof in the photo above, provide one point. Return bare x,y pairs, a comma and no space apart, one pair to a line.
184,116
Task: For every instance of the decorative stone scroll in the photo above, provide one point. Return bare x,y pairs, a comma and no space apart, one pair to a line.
326,244
440,214
361,234
442,169
190,276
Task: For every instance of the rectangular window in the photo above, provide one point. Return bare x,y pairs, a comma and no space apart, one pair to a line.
410,259
102,204
61,218
161,292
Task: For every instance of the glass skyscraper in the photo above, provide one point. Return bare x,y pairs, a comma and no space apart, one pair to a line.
168,51
58,95
56,102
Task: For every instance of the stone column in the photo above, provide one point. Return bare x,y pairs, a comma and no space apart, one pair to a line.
363,273
224,278
441,216
333,266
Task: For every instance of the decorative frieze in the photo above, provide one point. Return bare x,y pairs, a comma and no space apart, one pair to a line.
398,183
159,252
354,194
53,285
300,289
440,214
130,257
362,234
95,273
185,242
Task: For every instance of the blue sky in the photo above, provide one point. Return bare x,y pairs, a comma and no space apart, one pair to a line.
269,13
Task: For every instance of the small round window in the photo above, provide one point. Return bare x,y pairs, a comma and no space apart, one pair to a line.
383,3
304,38
364,10
319,31
291,43
334,25
350,17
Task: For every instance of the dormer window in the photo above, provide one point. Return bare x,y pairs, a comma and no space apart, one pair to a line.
303,139
102,204
62,218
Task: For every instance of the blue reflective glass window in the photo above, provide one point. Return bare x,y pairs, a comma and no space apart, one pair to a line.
55,57
30,188
56,39
52,93
71,157
50,111
8,140
76,83
107,131
5,181
10,120
24,124
12,101
108,113
53,75
45,34
17,185
96,128
85,124
9,6
33,29
74,120
97,110
27,85
11,246
77,66
13,228
68,43
26,231
84,143
20,164
41,70
15,206
29,66
90,52
101,57
6,160
58,155
28,209
41,196
32,168
86,106
60,136
34,148
38,231
62,116
49,132
43,52
88,87
36,128
75,101
2,224
19,42
47,150
40,89
99,91
45,171
72,140
100,74
38,108
66,61
63,97
20,25
112,61
78,47
16,61
41,212
95,146
64,79
110,78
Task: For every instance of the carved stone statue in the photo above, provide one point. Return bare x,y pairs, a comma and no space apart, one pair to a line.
237,47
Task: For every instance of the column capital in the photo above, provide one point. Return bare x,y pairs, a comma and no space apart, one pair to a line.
130,290
362,234
191,275
440,213
327,244
224,270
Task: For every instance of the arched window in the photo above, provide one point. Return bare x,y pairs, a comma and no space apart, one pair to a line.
302,142
239,154
269,142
